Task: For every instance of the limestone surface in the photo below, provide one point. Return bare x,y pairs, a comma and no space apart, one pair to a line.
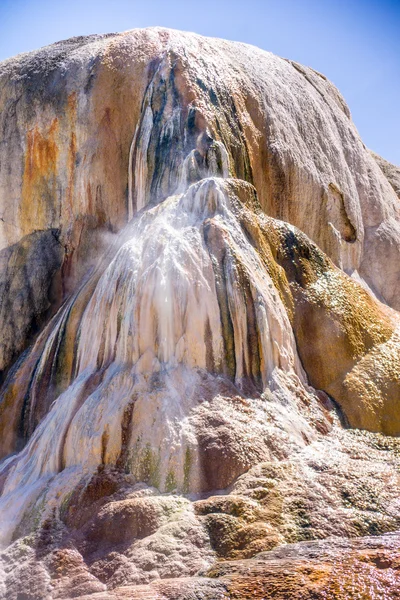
392,172
200,336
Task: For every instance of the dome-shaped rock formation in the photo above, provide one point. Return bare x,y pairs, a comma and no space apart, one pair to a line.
200,347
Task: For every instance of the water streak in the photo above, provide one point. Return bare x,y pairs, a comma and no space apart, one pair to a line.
152,325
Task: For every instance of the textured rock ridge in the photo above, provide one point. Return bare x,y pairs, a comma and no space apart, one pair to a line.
200,346
391,172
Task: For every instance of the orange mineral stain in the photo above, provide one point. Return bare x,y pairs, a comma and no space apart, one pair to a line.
38,207
71,161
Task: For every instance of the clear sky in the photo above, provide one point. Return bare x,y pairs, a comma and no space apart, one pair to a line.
355,43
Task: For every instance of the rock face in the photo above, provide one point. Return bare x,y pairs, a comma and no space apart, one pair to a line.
200,347
391,172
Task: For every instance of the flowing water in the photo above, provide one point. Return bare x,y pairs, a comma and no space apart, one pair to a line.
163,312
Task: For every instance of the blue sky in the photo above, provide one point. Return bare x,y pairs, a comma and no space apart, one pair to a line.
356,43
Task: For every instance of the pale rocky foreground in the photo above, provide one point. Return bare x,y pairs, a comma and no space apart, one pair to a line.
200,336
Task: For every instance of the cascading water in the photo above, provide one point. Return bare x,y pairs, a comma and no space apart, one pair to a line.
184,311
152,326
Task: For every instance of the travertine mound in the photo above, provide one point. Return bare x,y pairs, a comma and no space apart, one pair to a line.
199,282
70,112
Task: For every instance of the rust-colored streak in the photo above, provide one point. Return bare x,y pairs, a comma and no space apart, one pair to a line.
72,151
90,199
72,104
71,169
38,206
